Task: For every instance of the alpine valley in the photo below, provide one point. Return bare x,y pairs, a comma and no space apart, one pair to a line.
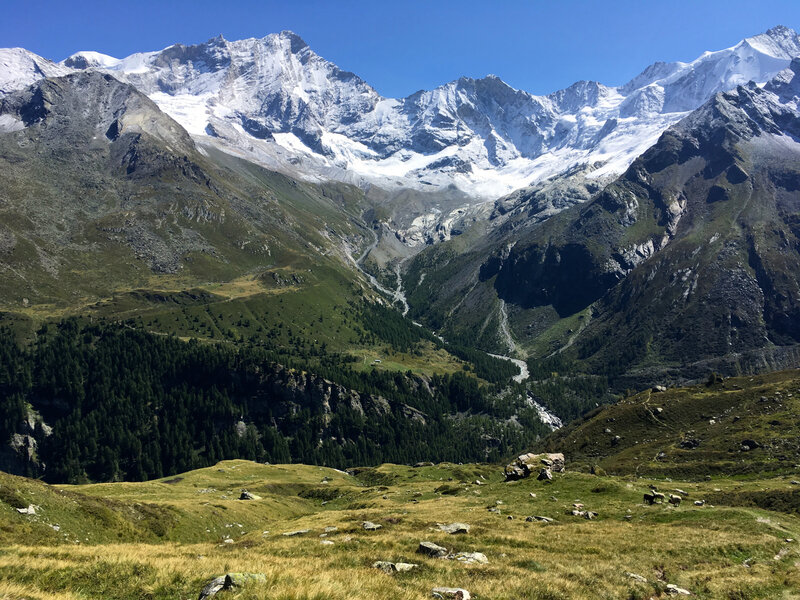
219,257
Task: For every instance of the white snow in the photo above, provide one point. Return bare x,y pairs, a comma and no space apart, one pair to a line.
482,136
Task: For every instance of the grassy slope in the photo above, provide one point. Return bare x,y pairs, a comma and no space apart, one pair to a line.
719,417
164,539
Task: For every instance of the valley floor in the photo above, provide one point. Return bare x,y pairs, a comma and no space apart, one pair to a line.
168,538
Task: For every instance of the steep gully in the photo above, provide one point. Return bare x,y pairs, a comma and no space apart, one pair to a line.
398,295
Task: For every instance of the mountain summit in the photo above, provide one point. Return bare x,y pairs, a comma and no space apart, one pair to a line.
276,101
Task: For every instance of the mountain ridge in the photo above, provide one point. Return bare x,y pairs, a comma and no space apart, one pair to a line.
286,107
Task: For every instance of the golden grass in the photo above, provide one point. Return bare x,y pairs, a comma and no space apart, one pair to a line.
716,552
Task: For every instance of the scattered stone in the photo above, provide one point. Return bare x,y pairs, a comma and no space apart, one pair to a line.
245,495
330,529
454,593
212,587
539,518
674,590
699,502
431,549
493,509
370,526
478,482
326,543
390,567
31,510
454,528
424,464
659,388
298,532
470,558
228,581
227,541
680,491
636,577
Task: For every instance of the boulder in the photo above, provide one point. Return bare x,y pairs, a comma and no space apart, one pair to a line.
545,475
454,528
470,558
212,587
674,590
539,518
390,567
245,495
297,532
431,549
229,581
525,464
453,593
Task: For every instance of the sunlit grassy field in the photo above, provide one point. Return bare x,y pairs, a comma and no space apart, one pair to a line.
167,538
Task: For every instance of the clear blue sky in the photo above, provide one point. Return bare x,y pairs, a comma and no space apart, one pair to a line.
401,46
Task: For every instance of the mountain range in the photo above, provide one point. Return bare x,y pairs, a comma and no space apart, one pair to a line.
276,102
252,193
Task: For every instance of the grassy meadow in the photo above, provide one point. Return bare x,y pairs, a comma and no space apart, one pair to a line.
167,538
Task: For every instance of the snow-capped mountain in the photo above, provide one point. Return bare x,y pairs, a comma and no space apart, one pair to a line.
275,101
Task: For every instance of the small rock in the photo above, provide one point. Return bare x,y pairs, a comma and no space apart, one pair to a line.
385,566
330,529
454,528
431,549
454,593
370,526
539,518
31,510
297,532
326,542
674,590
470,558
699,502
212,587
245,495
659,388
636,577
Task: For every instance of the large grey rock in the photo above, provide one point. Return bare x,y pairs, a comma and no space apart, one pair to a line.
454,528
229,581
470,558
525,464
431,549
212,587
390,567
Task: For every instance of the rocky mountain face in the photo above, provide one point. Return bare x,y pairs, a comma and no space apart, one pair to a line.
101,189
690,256
275,101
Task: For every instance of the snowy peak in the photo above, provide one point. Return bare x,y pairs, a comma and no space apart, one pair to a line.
90,60
274,101
20,68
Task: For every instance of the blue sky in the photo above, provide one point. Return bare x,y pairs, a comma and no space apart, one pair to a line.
403,46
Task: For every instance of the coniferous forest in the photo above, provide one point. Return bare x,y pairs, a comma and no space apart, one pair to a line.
110,402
